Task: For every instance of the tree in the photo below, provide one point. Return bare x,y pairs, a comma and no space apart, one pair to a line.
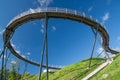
14,70
12,73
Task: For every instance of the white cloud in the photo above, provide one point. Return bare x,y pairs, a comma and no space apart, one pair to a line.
1,31
50,70
105,17
28,53
42,31
42,26
4,56
44,3
13,45
106,54
18,51
53,28
90,8
118,38
13,62
23,56
99,50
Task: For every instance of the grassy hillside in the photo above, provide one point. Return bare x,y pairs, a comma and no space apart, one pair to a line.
79,70
111,72
75,71
72,72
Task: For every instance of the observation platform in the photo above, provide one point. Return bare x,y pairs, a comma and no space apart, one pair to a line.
64,13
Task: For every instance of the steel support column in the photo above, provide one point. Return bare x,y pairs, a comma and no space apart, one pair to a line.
3,62
46,41
44,49
93,47
101,46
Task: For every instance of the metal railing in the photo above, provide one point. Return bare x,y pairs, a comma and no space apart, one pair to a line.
51,9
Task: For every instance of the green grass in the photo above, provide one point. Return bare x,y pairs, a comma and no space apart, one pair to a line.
71,72
79,70
74,71
111,72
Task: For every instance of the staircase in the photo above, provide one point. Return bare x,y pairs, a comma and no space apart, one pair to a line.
97,70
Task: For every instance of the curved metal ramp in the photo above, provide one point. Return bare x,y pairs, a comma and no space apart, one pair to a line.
33,14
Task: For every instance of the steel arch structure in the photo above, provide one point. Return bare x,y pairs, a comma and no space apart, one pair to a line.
38,13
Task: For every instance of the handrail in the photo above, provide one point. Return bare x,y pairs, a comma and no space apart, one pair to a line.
50,9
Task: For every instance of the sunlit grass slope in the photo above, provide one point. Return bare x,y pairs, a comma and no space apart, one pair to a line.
111,72
75,71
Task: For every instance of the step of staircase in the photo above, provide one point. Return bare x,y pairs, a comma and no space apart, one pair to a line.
96,70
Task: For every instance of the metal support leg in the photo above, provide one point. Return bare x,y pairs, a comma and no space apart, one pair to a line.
2,70
41,61
6,60
46,41
101,46
100,53
3,54
107,56
95,39
45,46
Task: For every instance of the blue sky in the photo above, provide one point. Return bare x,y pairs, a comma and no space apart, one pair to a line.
68,41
